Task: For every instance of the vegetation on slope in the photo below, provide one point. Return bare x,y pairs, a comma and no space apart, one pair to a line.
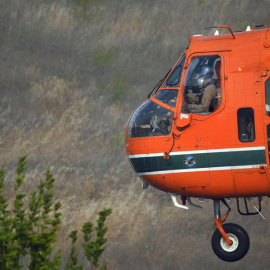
71,73
29,234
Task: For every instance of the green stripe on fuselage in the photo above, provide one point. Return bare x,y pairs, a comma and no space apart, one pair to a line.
202,160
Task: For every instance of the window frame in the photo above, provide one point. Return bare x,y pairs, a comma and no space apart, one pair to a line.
221,92
245,128
164,85
267,96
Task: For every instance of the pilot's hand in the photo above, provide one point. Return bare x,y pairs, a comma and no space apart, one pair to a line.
193,99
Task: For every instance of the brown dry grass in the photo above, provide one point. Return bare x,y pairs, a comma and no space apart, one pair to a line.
58,106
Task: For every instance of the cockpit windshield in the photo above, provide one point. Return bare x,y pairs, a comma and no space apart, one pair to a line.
175,76
168,97
150,119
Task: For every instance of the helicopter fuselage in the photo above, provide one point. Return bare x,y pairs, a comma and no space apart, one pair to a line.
180,145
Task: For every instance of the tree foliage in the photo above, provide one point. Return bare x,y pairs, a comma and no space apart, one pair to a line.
31,232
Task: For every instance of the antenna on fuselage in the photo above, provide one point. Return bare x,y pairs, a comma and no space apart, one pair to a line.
248,28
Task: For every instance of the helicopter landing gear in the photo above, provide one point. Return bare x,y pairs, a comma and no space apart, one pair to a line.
230,242
239,247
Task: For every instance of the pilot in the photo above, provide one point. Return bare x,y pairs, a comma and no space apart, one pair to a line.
203,92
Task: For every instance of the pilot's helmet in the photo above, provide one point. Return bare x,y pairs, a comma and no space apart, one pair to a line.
205,73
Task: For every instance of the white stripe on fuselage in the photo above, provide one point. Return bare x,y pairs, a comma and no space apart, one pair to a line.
225,168
180,153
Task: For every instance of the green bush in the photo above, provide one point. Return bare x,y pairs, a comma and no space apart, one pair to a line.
86,10
116,140
31,232
103,57
116,87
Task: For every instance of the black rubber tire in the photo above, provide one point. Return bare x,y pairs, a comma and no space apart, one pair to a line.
235,252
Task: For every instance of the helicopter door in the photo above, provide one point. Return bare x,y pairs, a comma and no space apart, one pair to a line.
251,175
267,120
267,112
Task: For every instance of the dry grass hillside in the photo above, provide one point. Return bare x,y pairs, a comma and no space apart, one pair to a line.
71,73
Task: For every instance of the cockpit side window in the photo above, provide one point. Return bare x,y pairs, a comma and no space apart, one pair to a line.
246,126
267,97
202,85
175,76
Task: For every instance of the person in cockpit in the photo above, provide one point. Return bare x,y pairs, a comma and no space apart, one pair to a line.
202,93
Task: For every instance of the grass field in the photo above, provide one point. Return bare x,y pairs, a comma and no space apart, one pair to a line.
71,73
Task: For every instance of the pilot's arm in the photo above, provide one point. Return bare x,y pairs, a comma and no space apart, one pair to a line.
209,93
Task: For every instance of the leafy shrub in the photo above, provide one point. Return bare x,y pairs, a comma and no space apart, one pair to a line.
116,87
31,233
119,87
85,10
104,57
116,140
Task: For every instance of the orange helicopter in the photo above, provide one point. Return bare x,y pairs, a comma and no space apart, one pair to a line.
204,130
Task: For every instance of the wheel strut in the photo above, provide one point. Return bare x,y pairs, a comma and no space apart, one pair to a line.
219,220
230,242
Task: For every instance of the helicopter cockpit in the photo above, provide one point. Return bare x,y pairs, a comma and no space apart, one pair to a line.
152,119
201,90
201,85
155,116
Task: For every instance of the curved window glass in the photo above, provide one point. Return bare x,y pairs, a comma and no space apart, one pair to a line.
168,97
175,76
150,119
202,85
